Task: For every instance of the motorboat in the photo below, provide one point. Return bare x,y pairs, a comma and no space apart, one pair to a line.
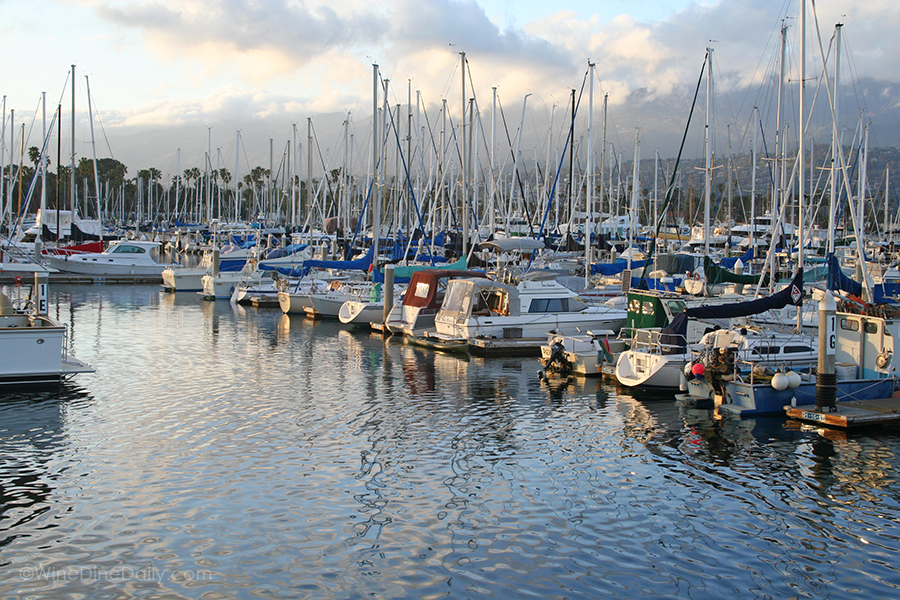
123,257
864,342
414,314
483,308
583,354
33,346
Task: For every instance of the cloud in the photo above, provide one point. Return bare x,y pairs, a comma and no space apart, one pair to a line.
268,59
258,38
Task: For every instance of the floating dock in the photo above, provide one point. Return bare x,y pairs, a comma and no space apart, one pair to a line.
851,414
13,277
506,346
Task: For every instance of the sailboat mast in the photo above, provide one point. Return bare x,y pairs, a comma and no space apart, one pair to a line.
802,154
38,243
707,192
635,194
589,197
835,142
776,209
493,160
603,160
465,160
753,179
5,212
375,138
94,157
72,163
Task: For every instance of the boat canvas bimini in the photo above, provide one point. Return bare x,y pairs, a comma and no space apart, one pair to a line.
483,308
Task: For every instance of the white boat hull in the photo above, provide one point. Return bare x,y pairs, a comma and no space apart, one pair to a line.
100,267
356,312
636,368
33,351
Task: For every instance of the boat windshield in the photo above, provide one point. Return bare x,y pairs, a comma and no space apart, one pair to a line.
128,249
676,306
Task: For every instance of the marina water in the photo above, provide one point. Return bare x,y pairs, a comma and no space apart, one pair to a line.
229,452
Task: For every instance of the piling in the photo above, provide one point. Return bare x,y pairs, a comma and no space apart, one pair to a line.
41,285
826,378
388,292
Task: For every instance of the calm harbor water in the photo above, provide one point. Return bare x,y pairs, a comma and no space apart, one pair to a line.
224,452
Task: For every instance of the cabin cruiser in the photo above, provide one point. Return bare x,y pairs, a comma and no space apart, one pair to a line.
123,257
414,314
475,307
32,345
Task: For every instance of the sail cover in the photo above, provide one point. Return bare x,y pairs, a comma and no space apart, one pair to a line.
676,331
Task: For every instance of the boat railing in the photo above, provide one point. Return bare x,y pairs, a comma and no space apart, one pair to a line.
654,340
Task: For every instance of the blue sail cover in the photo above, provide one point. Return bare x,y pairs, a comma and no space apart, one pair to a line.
837,281
676,332
728,263
615,268
655,283
792,294
360,264
180,224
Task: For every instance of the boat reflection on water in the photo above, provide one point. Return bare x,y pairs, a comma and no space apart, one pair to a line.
387,467
33,437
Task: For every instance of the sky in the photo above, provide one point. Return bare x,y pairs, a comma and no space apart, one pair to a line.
172,78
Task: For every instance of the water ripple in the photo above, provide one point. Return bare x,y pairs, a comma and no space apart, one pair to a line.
232,453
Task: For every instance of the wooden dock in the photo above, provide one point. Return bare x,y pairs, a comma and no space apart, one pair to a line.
12,277
851,414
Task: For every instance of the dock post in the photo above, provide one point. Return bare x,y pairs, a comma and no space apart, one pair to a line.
41,285
826,379
388,294
215,260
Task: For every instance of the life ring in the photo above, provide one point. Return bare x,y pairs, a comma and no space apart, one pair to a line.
883,359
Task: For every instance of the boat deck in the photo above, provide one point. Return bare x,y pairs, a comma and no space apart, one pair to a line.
850,414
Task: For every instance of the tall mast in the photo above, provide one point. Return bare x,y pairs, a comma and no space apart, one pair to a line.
237,176
603,158
753,179
72,164
94,157
589,197
3,201
374,194
802,155
309,177
635,194
465,161
776,208
493,162
707,193
836,174
38,244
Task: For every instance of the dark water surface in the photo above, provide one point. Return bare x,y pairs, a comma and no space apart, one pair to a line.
224,452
